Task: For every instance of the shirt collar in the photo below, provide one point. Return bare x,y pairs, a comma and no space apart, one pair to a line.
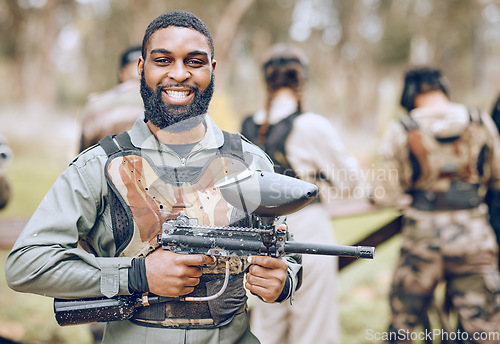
143,138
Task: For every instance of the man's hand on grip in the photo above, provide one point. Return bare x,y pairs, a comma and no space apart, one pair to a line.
266,277
171,274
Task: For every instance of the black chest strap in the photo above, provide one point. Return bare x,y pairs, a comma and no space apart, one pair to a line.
111,147
276,137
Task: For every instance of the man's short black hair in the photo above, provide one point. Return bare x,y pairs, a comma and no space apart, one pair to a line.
178,19
419,80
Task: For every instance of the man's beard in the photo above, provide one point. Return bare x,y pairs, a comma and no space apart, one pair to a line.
175,118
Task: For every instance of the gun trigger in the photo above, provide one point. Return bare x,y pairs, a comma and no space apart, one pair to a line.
215,263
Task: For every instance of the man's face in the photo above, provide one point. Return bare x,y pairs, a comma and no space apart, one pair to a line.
176,78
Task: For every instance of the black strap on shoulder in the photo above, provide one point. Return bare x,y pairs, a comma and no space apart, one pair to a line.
409,123
250,129
124,141
232,145
111,147
475,116
276,137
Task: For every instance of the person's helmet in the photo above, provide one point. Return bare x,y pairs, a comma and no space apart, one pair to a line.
285,66
419,80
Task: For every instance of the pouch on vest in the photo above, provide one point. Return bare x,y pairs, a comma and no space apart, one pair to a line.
449,168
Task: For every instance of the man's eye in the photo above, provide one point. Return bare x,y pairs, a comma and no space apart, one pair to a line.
162,60
195,63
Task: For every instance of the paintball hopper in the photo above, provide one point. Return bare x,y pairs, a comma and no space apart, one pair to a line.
266,193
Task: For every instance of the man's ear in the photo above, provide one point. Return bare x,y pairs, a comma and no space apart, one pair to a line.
214,63
140,65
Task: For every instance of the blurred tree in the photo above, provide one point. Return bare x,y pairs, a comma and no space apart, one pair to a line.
30,29
57,51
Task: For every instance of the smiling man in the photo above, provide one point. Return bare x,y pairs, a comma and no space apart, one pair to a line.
113,199
180,81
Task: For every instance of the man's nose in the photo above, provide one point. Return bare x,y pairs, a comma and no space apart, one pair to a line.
178,72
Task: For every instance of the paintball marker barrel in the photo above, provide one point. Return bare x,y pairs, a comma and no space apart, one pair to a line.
330,250
225,246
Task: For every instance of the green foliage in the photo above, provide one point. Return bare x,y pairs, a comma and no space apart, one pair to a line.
364,285
30,176
30,319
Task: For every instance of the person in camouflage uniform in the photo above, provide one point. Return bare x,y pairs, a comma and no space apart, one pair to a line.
115,110
492,197
440,155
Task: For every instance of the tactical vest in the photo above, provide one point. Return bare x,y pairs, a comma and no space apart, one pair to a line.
275,141
144,193
446,172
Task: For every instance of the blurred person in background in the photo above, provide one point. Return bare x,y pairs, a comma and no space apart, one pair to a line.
115,110
5,156
304,145
492,197
442,153
112,112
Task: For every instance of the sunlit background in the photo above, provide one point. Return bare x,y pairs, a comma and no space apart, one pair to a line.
54,53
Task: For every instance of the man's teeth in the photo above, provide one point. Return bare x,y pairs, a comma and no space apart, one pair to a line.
177,94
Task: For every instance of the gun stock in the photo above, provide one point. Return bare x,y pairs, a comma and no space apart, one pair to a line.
102,309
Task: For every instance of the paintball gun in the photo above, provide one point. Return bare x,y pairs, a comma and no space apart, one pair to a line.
265,196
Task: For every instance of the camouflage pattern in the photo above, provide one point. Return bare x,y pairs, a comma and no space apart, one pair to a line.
449,161
456,246
175,322
111,112
440,162
153,200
